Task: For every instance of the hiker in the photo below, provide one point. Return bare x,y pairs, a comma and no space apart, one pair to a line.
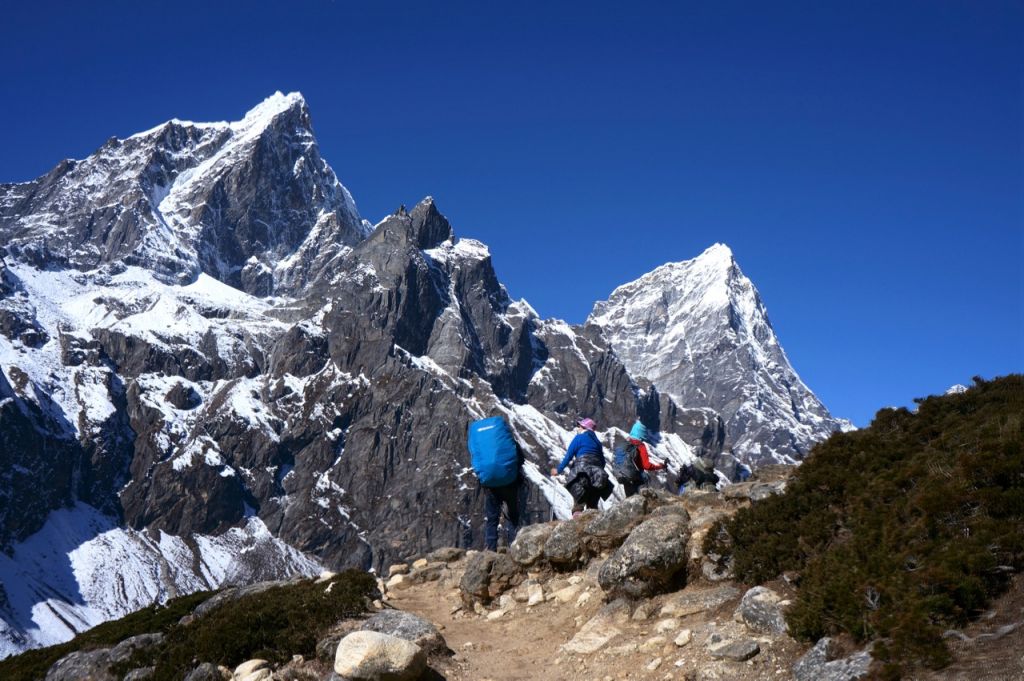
632,460
587,481
497,460
701,473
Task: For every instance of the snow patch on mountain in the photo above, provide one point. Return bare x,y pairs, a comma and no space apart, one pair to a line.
82,569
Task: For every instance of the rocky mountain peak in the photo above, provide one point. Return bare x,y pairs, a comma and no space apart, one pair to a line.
699,331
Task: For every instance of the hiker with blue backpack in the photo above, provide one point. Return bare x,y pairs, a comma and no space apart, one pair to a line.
497,460
587,480
632,461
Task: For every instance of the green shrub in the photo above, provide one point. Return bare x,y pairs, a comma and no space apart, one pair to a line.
272,625
899,530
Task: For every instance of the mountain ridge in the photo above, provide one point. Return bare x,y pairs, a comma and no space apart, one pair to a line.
312,388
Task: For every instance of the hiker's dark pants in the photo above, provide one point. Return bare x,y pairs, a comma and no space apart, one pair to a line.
494,497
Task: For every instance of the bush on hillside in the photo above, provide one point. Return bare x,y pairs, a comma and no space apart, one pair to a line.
272,625
900,530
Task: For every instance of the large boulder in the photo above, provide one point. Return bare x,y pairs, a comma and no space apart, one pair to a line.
565,548
487,576
372,656
528,547
651,561
611,527
408,626
759,610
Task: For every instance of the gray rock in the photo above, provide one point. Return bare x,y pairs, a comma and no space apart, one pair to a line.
528,546
759,610
651,561
408,626
692,600
93,665
611,527
564,548
446,554
738,651
140,674
208,672
487,576
372,656
753,490
820,664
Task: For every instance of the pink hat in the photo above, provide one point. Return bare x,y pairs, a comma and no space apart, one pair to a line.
588,424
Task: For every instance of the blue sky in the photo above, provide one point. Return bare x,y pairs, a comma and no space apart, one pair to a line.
862,159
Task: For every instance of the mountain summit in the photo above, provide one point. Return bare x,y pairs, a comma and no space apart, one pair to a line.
213,371
699,331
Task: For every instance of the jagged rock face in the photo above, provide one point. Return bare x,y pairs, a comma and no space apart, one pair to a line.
700,332
147,372
250,203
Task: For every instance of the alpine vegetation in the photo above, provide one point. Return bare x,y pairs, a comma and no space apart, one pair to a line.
214,371
898,532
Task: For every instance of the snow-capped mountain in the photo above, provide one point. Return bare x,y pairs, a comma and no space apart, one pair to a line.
213,370
699,331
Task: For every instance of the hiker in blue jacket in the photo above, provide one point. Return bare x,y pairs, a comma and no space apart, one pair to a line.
587,481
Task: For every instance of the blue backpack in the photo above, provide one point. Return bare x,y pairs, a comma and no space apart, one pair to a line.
492,452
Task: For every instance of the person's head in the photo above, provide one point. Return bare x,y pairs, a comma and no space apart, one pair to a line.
639,432
586,424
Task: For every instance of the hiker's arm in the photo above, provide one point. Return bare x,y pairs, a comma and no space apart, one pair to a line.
569,454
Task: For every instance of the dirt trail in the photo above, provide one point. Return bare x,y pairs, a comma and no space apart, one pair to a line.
524,644
519,647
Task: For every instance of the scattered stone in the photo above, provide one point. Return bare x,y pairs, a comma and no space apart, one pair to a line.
372,656
739,650
495,615
430,573
759,610
642,612
140,674
326,576
253,670
583,599
652,644
567,594
666,625
690,602
684,638
419,564
398,583
655,663
652,560
715,573
593,636
535,594
398,569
